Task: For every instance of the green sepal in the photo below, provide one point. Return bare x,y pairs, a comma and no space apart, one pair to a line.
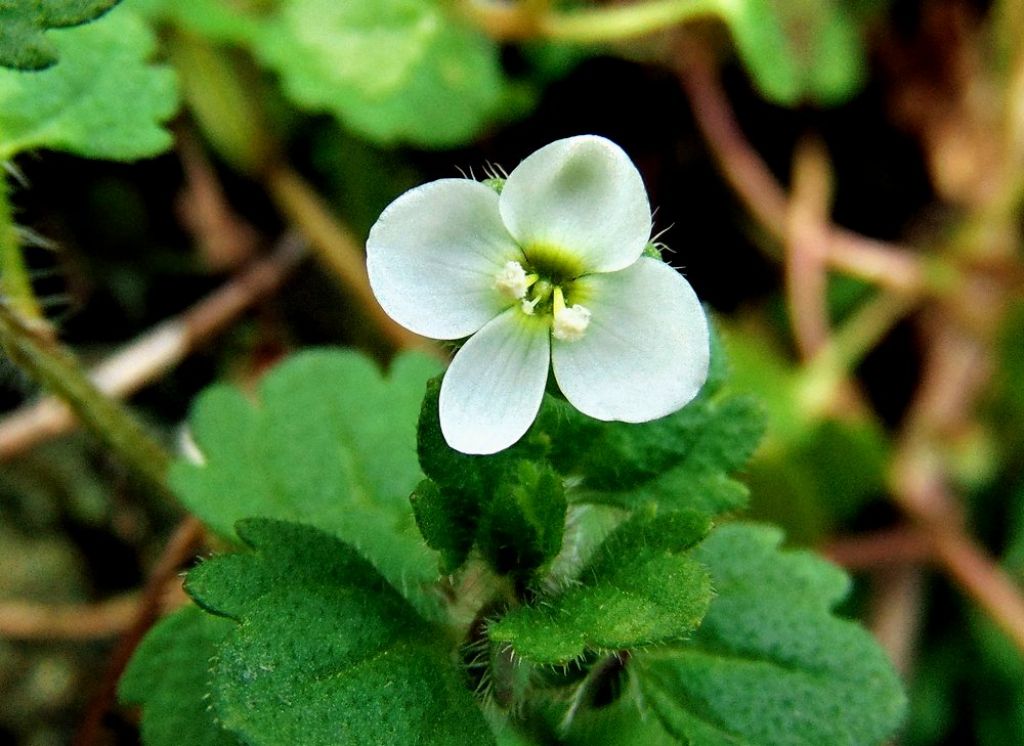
522,526
325,651
640,588
476,476
448,520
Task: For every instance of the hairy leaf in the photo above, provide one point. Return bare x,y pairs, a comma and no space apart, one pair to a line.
680,461
639,588
169,675
103,101
521,528
771,663
331,443
325,651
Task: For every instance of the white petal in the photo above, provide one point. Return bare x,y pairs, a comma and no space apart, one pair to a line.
645,353
433,256
583,196
493,388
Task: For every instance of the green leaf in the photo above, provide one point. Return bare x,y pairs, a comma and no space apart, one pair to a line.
447,521
103,101
214,20
799,50
638,589
392,70
331,443
325,651
771,664
618,723
680,461
24,45
521,528
169,675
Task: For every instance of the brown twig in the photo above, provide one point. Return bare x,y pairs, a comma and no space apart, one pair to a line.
895,613
225,240
956,364
159,350
895,267
25,620
339,252
181,546
806,239
881,549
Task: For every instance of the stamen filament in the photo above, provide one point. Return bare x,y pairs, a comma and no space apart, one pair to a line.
559,301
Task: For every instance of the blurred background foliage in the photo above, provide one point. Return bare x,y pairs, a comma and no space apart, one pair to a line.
888,354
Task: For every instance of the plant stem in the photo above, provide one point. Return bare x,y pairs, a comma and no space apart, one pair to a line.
159,350
892,266
806,238
15,285
587,26
28,620
824,374
623,21
56,368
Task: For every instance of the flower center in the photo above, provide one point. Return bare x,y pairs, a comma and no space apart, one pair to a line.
544,296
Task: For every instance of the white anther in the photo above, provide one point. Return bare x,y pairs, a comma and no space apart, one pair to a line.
570,323
512,281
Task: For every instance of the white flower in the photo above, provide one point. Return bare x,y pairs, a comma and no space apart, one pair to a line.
549,271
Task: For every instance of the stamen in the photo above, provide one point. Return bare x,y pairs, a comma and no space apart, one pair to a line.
512,281
569,323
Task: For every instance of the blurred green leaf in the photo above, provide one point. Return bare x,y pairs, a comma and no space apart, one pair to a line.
331,443
325,651
104,101
771,664
811,473
799,50
24,45
391,70
638,589
214,20
169,675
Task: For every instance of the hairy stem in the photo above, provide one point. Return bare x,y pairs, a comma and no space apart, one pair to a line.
159,350
57,369
15,283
